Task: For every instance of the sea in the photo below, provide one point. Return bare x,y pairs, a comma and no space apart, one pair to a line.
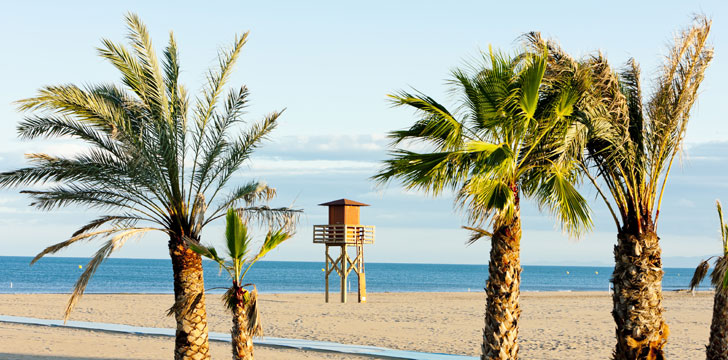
154,276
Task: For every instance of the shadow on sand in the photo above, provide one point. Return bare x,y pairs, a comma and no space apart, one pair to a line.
49,357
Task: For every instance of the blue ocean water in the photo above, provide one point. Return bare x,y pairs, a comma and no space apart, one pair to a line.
58,274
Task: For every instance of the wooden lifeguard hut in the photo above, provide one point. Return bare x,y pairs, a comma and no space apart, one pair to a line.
343,231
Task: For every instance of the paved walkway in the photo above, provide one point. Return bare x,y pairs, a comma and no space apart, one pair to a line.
373,351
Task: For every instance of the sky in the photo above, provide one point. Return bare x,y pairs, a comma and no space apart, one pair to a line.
330,64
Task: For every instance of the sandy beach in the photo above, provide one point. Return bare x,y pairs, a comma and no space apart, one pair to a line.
554,325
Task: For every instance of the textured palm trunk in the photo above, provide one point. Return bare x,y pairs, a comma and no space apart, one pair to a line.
641,329
191,342
717,348
242,340
502,310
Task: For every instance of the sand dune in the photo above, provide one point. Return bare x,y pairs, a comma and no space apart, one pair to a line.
558,325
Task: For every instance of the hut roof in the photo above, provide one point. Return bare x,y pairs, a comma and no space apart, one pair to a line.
346,202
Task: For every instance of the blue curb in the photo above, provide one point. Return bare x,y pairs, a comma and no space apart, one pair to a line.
300,344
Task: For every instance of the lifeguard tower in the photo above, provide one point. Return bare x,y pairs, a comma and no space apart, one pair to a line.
344,231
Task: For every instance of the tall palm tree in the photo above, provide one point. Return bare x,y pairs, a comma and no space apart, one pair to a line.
630,147
498,146
717,348
139,139
241,302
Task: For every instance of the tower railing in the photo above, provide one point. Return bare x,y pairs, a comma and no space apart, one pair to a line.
343,234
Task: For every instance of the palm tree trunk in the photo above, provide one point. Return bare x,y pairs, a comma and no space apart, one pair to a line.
641,329
502,309
191,341
242,340
717,348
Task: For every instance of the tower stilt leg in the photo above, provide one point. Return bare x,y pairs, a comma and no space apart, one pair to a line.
344,273
327,272
361,277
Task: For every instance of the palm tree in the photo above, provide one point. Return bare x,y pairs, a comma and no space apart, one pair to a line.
138,142
498,146
718,345
241,302
630,145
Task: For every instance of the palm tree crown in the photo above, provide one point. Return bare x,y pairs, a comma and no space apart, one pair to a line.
239,242
630,143
140,139
504,138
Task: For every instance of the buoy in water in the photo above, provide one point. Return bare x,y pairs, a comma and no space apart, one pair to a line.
596,273
567,273
80,266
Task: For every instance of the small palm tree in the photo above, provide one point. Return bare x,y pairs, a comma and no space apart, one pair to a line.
139,138
240,301
501,145
717,348
631,145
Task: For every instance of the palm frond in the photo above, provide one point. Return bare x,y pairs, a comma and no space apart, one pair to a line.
109,247
255,327
249,194
83,236
205,107
557,193
236,235
723,228
239,151
437,125
700,272
476,234
429,172
150,68
265,215
272,240
719,276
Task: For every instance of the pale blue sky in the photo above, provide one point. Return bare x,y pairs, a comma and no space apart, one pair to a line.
331,65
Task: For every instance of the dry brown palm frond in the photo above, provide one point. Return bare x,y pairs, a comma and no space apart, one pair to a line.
197,214
263,193
476,234
255,328
700,272
183,305
718,277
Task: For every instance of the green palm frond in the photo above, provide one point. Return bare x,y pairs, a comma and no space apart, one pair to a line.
723,228
556,192
236,235
272,240
437,126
